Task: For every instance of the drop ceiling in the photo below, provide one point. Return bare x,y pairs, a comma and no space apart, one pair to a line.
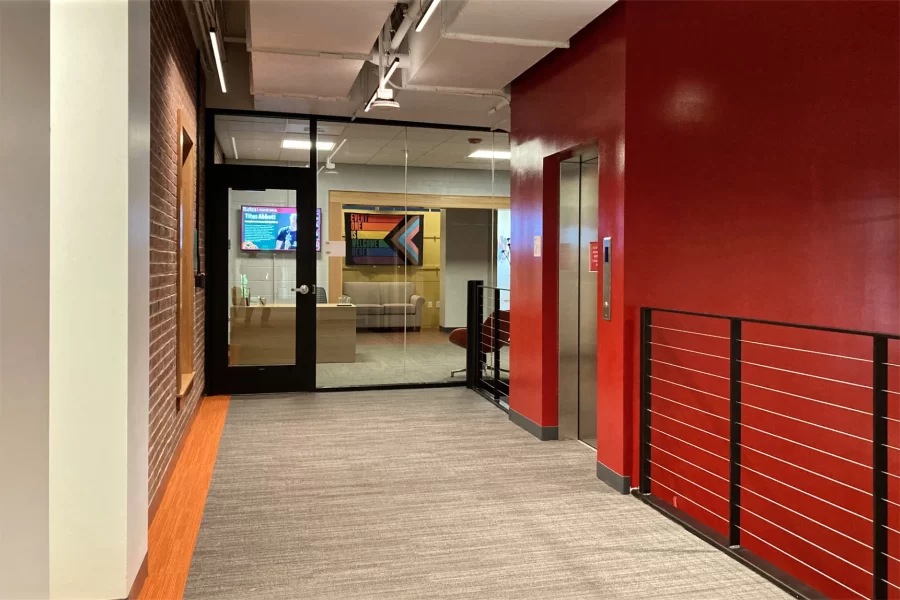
260,139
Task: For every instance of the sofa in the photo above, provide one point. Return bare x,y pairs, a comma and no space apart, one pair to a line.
382,305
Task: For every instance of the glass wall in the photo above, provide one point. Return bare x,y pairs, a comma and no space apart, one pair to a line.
407,215
412,215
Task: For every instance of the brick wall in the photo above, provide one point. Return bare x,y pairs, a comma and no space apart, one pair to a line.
173,85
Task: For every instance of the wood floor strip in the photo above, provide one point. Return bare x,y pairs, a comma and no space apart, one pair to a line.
174,529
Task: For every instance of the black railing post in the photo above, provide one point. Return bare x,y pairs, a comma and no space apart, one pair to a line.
495,341
478,340
879,466
473,316
646,322
734,475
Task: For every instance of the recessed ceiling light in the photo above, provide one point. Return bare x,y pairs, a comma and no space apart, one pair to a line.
498,154
305,145
421,25
234,147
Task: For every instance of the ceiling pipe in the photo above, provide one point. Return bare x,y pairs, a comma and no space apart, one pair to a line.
408,19
456,91
504,102
506,41
314,53
256,92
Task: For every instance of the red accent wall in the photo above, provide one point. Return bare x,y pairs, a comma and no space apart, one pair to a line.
762,180
567,100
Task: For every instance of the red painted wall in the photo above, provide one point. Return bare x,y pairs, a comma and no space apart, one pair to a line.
762,180
567,100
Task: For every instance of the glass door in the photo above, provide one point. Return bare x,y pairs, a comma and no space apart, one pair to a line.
263,230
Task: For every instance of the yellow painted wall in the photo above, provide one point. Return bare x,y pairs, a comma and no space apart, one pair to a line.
427,277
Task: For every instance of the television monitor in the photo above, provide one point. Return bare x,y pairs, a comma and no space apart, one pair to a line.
273,228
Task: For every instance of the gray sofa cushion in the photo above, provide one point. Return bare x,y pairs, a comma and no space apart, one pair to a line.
396,292
399,309
369,309
362,292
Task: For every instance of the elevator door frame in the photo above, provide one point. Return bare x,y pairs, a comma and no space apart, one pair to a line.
577,294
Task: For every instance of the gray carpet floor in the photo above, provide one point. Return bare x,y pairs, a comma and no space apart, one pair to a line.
389,364
392,364
430,494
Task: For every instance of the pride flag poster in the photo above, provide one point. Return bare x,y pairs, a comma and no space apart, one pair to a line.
383,239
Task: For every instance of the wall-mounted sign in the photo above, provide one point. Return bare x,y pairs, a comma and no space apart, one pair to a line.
595,257
383,239
537,245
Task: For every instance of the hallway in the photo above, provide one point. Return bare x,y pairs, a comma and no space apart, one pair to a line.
430,493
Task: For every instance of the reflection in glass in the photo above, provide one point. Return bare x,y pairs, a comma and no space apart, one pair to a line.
262,277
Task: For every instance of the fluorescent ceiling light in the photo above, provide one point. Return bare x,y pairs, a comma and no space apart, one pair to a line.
499,154
215,45
427,15
390,73
234,147
305,145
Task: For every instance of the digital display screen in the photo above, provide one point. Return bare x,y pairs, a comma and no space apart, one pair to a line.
273,228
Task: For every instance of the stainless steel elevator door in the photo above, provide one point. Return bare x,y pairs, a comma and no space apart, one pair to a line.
577,325
569,213
587,307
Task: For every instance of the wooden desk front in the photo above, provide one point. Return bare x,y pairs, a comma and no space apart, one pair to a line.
264,335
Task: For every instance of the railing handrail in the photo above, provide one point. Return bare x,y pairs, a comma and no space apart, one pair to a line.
890,336
493,287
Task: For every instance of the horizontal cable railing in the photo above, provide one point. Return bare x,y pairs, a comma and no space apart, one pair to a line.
488,342
772,440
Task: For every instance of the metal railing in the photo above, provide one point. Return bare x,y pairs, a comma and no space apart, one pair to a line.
771,441
488,342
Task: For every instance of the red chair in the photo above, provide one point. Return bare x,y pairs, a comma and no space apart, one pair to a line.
498,319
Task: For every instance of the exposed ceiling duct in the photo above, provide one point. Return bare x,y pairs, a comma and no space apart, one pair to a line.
321,56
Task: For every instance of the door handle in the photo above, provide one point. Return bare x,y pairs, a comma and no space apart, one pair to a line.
303,289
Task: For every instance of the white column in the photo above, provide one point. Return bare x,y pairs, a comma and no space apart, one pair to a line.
99,300
24,297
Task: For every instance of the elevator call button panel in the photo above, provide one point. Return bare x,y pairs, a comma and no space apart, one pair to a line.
607,278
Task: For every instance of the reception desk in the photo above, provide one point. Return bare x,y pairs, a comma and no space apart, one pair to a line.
265,335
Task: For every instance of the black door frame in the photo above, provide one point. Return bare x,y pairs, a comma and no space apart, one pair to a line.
225,379
220,378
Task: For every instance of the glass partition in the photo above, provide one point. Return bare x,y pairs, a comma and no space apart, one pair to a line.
411,214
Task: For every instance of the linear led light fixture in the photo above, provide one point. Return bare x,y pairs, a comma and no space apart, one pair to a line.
234,147
213,38
390,73
305,145
498,154
421,25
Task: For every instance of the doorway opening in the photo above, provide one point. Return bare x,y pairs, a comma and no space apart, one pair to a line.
578,290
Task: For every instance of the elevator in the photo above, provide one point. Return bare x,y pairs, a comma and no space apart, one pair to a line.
578,289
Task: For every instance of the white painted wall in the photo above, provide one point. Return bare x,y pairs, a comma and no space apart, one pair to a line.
138,283
504,258
99,324
24,298
467,252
